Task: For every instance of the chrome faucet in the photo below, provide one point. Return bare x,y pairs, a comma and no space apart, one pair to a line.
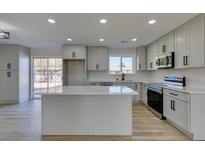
123,76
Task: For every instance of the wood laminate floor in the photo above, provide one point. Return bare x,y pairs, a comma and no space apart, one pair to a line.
23,122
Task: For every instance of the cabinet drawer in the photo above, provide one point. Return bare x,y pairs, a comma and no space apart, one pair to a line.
177,95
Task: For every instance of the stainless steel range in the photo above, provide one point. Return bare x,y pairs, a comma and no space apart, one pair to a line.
155,93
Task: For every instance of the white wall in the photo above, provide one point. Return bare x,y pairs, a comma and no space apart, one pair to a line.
41,52
195,77
24,77
104,75
45,52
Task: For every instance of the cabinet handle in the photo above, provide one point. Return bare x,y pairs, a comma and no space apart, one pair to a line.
73,54
150,65
164,48
8,65
97,66
173,94
183,60
8,74
173,105
186,60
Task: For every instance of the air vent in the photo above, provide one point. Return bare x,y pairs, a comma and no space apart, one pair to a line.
4,35
124,41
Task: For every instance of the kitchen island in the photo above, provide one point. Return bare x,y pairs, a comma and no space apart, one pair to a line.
87,110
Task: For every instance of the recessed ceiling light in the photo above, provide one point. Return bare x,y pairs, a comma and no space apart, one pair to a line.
152,21
69,39
103,21
101,40
51,21
134,39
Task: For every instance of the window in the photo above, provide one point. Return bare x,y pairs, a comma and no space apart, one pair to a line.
47,73
121,64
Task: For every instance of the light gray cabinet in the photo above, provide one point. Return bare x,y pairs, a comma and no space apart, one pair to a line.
73,51
141,58
14,73
176,109
166,43
151,56
9,86
181,46
139,90
144,93
189,44
97,58
9,59
196,42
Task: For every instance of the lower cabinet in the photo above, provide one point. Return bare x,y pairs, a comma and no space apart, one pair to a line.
9,86
177,111
138,89
144,94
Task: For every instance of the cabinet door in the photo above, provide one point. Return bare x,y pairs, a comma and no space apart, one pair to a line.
154,55
196,42
141,58
138,89
74,51
4,86
144,94
97,58
149,57
13,82
92,58
181,43
167,108
1,85
80,51
102,58
10,57
182,116
169,42
9,82
161,43
177,111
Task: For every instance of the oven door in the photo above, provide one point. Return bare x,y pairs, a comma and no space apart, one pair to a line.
155,100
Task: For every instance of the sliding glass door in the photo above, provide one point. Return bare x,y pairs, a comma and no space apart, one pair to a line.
47,73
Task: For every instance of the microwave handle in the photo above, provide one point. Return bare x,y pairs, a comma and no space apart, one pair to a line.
167,60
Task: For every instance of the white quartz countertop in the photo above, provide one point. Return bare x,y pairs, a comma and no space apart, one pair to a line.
190,90
124,81
90,90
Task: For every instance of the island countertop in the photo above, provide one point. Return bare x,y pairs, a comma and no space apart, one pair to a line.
90,90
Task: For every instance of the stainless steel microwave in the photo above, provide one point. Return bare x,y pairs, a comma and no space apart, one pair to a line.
165,61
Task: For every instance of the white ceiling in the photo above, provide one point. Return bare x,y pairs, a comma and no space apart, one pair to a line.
33,30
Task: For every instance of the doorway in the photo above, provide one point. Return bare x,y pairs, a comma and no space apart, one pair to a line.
47,73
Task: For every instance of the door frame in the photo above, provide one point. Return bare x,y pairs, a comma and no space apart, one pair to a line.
32,72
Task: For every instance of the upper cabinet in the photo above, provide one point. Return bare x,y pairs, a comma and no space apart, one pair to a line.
141,58
196,42
73,51
9,57
166,44
97,58
152,51
189,44
181,46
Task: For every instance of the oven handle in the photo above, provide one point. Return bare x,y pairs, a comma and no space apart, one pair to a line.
154,90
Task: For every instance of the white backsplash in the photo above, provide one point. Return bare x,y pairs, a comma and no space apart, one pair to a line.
104,76
195,77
